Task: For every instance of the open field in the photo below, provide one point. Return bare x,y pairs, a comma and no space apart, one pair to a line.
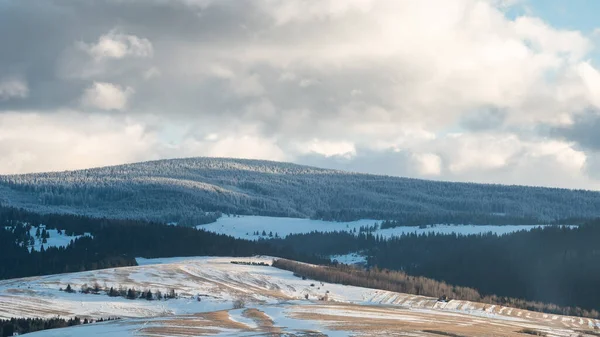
243,227
274,303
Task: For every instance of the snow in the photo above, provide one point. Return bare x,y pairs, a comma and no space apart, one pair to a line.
352,258
243,227
55,239
113,329
274,292
236,316
281,317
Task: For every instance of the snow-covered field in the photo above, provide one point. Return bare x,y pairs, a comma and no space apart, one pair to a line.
274,303
244,227
352,258
55,239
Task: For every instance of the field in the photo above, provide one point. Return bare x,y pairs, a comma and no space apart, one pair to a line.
271,302
243,227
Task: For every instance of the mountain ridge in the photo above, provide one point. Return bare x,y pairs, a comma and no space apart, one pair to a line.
196,190
341,171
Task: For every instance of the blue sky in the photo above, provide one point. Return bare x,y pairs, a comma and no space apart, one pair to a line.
570,14
582,15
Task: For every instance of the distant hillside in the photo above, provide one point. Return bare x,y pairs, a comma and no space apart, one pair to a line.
197,190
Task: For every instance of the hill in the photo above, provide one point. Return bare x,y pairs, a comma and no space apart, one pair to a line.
259,300
198,190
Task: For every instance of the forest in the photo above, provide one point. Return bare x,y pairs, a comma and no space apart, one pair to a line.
193,191
558,265
114,243
399,281
19,326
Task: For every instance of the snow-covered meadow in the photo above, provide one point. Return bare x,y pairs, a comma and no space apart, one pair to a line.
52,238
273,301
244,227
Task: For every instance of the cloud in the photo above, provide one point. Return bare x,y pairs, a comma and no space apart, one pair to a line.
115,45
454,89
106,96
32,141
583,130
13,88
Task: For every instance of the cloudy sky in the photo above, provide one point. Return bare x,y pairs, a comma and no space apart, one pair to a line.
500,91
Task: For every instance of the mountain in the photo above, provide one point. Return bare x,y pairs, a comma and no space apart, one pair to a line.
197,190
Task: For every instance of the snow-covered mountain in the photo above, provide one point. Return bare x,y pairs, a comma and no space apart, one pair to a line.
194,190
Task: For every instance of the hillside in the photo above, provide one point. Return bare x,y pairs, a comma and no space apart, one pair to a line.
197,190
273,302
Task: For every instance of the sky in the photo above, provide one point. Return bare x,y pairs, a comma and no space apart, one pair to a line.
492,91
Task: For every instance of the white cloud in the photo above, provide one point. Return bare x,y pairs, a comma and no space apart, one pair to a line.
116,45
591,79
327,148
13,87
428,164
69,140
451,89
106,96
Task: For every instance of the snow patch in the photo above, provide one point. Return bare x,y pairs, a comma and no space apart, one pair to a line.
245,227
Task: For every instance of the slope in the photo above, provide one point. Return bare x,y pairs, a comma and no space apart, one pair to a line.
275,302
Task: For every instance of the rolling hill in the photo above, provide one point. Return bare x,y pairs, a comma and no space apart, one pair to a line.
198,190
258,300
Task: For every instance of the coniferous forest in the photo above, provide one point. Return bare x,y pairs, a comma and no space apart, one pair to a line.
558,265
197,190
554,265
114,243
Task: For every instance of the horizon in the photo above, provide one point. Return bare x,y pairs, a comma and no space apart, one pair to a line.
483,91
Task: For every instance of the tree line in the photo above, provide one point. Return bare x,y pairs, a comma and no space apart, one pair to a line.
557,264
115,243
14,326
398,281
128,293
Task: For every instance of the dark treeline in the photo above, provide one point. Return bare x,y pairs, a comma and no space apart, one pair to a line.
21,326
553,265
116,243
398,281
71,224
331,243
425,218
128,293
558,265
